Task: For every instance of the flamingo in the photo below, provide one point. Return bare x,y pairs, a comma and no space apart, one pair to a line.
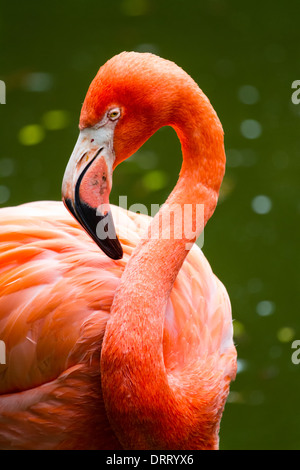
130,346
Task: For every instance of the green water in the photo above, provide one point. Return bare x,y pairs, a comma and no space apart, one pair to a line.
245,57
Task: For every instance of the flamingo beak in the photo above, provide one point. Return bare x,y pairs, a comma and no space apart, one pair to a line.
86,188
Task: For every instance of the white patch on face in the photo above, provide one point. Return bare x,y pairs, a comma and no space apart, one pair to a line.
89,142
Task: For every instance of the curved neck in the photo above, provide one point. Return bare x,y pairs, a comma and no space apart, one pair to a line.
146,409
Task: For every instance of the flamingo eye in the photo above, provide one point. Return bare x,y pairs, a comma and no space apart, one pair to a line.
114,114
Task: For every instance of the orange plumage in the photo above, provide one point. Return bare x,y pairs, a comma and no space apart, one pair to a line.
99,356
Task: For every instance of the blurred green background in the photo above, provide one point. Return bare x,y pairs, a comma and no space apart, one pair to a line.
244,55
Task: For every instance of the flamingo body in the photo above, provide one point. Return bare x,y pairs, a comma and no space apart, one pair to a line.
56,290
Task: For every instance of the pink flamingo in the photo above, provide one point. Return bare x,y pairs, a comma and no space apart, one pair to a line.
112,352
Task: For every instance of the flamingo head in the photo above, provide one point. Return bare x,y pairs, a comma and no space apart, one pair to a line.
132,96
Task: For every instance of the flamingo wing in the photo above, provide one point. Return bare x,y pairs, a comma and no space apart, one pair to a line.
198,322
52,281
56,289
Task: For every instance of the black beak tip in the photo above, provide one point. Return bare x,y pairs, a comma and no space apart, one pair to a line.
88,218
113,250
